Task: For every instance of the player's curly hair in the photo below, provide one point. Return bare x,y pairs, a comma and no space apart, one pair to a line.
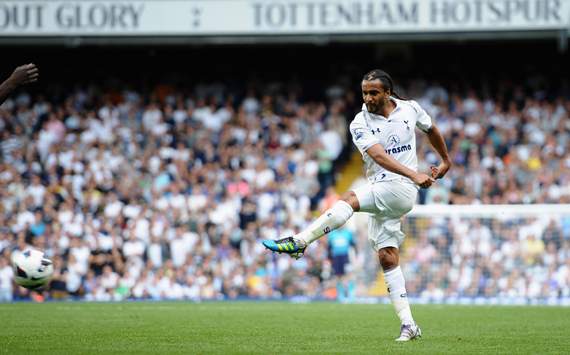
384,78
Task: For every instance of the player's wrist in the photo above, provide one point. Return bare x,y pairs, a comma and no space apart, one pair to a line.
415,177
11,83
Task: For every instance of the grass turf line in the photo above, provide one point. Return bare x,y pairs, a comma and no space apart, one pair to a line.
276,328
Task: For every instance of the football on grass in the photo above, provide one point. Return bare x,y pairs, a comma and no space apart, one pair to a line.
31,268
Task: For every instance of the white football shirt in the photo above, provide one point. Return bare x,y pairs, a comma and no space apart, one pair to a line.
395,133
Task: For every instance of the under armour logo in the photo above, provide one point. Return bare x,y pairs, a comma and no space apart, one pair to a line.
408,127
327,229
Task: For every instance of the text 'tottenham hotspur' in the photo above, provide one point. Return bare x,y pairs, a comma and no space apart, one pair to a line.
377,13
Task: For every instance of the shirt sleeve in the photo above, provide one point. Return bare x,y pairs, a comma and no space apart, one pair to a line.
423,120
362,137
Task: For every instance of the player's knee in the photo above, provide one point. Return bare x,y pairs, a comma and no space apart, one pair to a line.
388,258
350,198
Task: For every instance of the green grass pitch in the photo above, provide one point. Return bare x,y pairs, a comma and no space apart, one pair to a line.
276,328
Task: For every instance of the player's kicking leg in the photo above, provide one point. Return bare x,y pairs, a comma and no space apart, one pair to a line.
332,219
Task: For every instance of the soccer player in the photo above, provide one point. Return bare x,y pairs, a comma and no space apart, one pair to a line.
24,74
341,240
384,134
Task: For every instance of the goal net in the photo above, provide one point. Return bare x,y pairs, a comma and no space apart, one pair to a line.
487,254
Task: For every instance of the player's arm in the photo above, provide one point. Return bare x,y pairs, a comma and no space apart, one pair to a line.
379,155
438,143
368,144
23,74
426,125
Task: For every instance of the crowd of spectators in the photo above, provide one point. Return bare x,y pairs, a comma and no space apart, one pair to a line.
511,152
166,194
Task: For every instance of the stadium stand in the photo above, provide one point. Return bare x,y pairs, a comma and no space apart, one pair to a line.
164,194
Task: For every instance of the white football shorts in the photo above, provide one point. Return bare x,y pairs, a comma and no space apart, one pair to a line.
387,201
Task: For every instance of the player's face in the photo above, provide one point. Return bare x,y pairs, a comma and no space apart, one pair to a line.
374,95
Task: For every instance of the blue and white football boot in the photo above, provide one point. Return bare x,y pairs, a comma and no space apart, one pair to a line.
292,246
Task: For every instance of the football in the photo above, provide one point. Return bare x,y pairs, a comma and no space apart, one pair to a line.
31,268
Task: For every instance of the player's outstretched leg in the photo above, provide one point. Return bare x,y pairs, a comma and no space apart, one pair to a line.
333,218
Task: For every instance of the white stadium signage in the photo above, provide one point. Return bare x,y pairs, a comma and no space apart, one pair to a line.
276,17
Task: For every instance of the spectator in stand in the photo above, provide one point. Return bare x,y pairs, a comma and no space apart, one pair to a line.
6,277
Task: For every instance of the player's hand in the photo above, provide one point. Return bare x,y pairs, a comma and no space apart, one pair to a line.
437,172
423,180
25,74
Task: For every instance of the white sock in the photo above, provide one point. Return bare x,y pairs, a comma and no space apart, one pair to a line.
397,288
333,218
